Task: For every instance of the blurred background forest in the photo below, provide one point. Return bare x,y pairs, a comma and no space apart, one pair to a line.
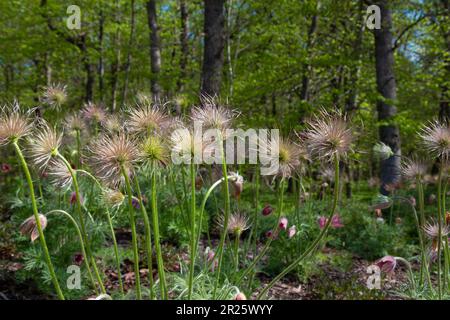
276,61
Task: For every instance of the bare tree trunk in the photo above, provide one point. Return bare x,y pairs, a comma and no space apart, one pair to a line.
352,98
444,104
48,70
115,67
101,65
184,44
129,57
155,49
389,133
307,68
90,71
214,44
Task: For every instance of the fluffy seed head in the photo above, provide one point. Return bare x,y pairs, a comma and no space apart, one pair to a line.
108,154
237,223
287,152
29,226
114,198
146,119
154,152
328,136
414,169
44,145
74,123
213,116
93,113
436,139
59,174
54,95
431,229
14,124
112,124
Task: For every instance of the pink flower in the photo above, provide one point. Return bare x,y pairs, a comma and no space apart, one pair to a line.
267,210
322,221
78,258
387,264
5,168
240,296
292,231
211,258
282,224
271,235
335,222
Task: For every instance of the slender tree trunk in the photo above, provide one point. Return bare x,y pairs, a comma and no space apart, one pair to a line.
48,69
155,49
388,131
214,44
352,97
444,104
89,69
101,65
307,68
115,67
184,45
129,57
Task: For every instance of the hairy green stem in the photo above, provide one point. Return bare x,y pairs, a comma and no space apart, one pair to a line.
424,264
38,221
193,234
251,267
148,238
410,272
226,194
133,232
80,237
439,248
113,234
89,256
155,222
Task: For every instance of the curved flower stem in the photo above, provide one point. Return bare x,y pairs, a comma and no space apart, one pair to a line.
180,205
78,148
133,232
202,207
113,234
251,267
424,263
439,248
253,238
236,250
411,274
38,221
155,222
148,238
314,244
193,234
226,194
446,250
82,225
80,237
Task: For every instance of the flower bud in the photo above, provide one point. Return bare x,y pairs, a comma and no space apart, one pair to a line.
267,210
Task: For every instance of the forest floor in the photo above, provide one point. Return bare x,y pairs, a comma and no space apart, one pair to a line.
330,283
